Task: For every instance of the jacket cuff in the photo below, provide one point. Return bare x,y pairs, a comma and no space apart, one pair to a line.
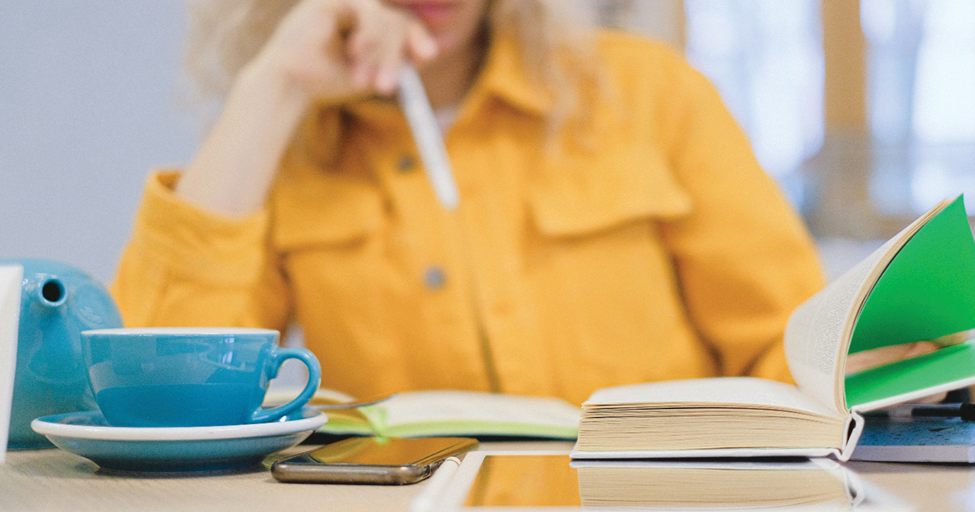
198,244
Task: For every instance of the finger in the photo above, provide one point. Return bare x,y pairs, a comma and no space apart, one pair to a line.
387,78
382,78
375,52
389,50
420,43
359,46
362,74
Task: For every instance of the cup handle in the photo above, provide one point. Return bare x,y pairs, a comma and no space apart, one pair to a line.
278,358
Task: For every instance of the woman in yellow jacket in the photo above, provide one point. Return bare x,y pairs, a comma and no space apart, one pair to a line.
614,226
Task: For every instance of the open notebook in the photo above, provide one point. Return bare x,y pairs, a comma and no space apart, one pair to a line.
449,413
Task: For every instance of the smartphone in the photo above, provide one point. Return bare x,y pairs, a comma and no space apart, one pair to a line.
371,460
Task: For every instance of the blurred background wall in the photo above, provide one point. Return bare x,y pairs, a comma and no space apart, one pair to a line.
87,107
864,111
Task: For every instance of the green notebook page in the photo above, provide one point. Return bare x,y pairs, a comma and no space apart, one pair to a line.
463,427
927,291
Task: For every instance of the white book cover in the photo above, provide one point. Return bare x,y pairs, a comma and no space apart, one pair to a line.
10,286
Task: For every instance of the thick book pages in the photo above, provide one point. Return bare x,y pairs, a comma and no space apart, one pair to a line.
918,286
10,287
453,413
739,416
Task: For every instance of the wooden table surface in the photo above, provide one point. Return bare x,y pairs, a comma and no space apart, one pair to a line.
54,480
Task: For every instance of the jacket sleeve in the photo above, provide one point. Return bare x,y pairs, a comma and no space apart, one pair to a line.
743,256
188,267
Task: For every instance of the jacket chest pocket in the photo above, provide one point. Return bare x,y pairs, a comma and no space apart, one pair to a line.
581,196
599,268
597,227
597,237
327,230
324,210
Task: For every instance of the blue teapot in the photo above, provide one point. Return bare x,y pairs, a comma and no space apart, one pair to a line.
57,302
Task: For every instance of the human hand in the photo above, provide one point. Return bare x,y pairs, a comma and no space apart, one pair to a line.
331,49
322,50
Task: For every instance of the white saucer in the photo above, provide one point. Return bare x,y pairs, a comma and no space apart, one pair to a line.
176,449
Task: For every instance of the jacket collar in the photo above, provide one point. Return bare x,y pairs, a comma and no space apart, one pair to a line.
503,76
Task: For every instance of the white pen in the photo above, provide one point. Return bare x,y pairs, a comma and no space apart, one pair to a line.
426,132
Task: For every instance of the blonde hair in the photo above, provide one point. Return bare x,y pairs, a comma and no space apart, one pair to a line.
555,44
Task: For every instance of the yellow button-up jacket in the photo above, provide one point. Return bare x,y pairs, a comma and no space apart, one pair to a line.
660,250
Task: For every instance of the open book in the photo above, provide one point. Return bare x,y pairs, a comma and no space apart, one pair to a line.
918,286
450,413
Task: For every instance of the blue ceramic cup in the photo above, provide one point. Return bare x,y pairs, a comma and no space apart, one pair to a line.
189,377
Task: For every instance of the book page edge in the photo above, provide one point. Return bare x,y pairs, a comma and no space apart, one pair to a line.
703,454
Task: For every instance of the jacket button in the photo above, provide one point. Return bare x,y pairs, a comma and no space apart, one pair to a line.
406,163
434,278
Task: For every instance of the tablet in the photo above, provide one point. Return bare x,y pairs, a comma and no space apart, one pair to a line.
538,481
506,480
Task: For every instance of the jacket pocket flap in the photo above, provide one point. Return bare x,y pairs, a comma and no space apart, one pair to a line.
588,195
320,207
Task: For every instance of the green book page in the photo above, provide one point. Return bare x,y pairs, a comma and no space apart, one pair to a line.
347,421
927,291
472,413
483,428
458,413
